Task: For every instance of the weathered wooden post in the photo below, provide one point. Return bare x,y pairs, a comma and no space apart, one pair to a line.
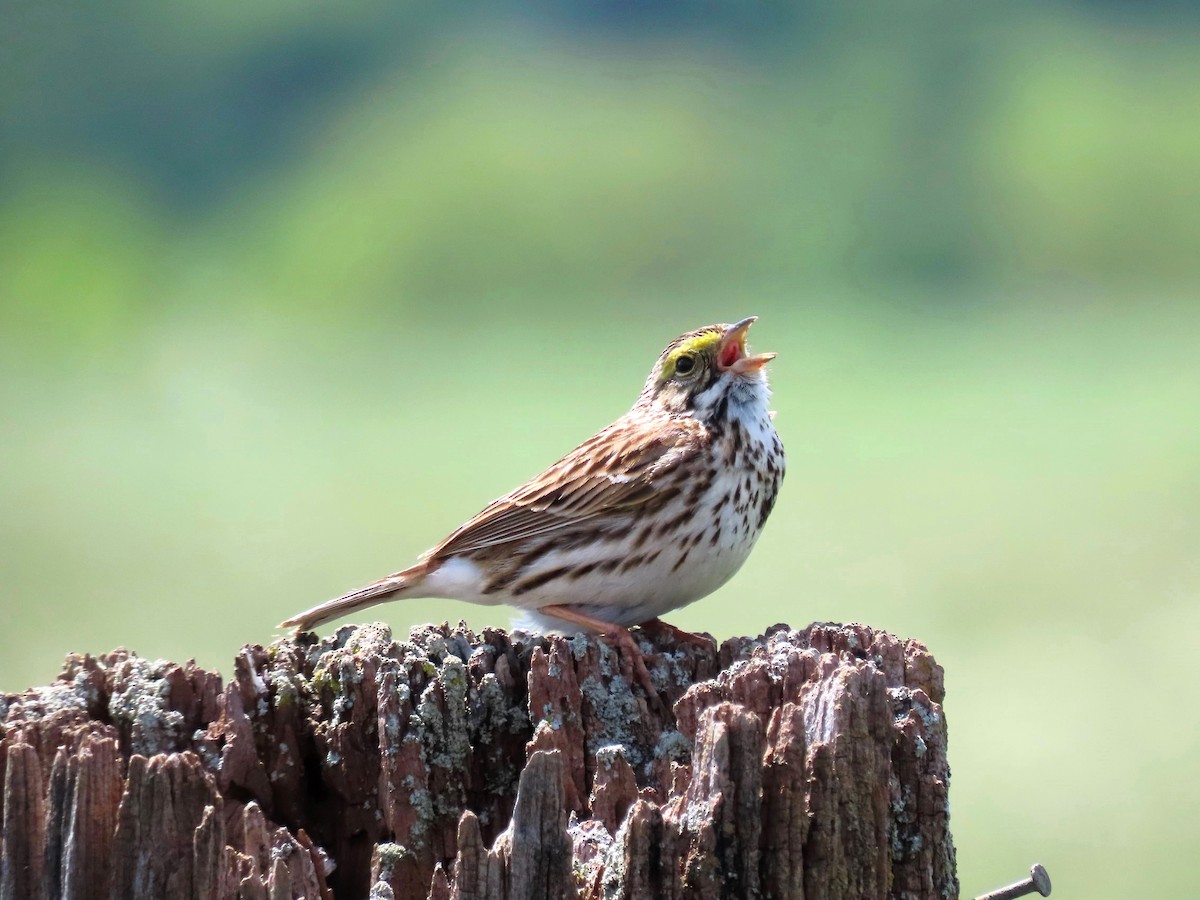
805,763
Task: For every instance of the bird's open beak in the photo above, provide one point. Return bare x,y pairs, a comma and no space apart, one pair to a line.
732,355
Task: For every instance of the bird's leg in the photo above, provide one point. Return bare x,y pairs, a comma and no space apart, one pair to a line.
618,634
703,641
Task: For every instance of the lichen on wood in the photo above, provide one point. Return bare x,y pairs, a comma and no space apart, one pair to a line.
807,763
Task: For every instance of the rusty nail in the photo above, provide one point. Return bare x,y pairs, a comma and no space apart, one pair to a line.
1038,881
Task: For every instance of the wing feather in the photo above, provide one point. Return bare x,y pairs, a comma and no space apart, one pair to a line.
621,467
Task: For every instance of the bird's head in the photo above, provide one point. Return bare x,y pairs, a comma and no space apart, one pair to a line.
702,367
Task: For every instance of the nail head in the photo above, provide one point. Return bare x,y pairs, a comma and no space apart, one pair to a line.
1040,878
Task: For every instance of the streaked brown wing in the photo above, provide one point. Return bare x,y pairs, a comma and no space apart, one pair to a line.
620,467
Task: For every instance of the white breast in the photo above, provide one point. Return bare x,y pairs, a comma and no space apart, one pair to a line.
712,544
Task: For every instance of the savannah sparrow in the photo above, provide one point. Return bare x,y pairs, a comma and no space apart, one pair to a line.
656,510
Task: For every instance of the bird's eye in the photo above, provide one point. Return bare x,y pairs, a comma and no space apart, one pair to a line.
684,365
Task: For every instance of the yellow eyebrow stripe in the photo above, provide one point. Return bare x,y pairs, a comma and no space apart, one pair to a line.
698,344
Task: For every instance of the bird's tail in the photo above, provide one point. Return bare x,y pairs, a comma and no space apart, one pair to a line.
377,592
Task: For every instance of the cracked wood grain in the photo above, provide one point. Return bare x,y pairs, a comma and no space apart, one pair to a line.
459,766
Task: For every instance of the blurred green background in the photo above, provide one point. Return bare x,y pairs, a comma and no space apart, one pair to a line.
287,291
